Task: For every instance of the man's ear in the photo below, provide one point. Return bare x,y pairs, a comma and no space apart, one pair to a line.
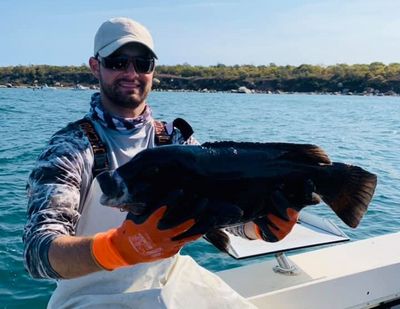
94,65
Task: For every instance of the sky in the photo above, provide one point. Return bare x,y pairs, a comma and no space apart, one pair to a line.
205,32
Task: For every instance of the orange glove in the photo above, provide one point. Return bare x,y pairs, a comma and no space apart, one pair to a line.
134,243
272,228
287,204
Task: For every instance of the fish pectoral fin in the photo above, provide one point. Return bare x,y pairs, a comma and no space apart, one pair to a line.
215,214
286,198
182,206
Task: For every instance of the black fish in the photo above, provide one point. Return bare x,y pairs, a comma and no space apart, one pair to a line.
225,183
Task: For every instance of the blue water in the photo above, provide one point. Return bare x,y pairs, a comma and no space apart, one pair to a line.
363,131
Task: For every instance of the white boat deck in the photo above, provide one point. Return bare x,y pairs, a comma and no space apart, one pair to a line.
359,274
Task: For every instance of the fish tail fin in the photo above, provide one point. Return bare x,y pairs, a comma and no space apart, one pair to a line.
219,239
350,194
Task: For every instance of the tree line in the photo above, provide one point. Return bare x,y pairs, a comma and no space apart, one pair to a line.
375,77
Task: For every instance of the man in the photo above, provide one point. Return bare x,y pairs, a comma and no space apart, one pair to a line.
100,258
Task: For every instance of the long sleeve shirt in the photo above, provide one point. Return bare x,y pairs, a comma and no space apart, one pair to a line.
59,183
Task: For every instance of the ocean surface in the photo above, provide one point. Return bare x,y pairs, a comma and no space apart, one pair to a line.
364,131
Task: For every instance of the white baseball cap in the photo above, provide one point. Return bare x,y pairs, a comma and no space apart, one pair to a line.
119,31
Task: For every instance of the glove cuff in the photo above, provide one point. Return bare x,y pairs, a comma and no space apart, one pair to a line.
104,253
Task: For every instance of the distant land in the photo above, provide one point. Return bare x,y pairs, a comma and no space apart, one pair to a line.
367,79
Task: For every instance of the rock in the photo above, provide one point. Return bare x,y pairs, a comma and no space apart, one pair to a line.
391,93
243,89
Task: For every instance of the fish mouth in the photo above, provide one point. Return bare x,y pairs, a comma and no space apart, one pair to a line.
113,188
135,208
116,194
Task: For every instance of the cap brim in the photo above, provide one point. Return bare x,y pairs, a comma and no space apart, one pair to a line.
112,47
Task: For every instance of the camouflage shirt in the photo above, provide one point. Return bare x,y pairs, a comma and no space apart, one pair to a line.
58,185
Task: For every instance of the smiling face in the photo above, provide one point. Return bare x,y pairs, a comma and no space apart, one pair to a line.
124,91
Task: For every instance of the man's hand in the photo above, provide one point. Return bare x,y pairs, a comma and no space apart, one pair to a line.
138,243
286,205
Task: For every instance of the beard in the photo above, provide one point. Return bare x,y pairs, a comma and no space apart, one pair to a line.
122,99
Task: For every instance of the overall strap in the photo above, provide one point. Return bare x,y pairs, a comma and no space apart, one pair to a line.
164,131
100,163
163,136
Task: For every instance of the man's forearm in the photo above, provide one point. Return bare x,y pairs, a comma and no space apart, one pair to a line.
71,256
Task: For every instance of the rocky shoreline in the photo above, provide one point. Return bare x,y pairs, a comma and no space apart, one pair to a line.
375,79
240,90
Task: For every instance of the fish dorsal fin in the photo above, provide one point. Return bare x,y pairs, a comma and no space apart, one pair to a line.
304,153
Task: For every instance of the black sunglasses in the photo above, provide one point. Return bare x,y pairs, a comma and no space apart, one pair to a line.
119,63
